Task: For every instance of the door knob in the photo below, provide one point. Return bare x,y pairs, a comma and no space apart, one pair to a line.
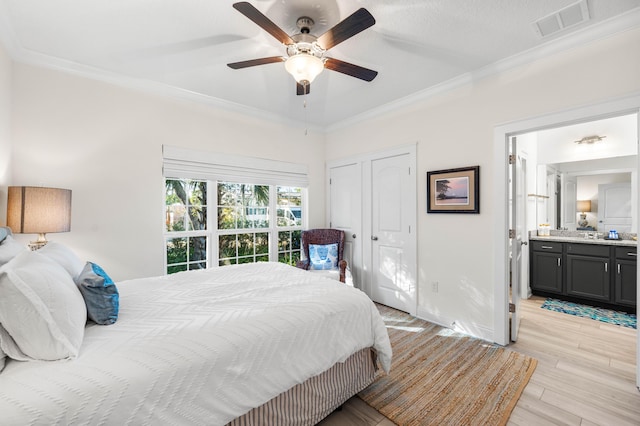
374,238
523,243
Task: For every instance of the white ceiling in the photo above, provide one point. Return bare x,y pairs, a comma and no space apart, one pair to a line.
620,140
181,47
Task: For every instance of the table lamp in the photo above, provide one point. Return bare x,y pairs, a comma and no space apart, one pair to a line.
38,210
583,207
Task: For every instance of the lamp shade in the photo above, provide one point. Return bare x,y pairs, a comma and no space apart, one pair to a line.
38,210
304,67
584,206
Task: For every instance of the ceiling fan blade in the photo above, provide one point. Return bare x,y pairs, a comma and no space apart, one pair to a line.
359,21
303,89
263,22
254,62
350,69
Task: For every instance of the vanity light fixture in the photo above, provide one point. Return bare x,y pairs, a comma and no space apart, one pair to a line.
590,139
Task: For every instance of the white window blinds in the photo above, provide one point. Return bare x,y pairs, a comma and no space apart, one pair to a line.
183,163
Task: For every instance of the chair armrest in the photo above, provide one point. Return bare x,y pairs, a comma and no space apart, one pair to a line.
342,266
303,264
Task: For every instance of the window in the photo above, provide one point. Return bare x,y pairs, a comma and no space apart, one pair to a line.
248,222
253,223
186,224
289,220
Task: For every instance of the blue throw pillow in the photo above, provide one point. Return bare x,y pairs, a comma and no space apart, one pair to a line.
3,233
323,256
100,294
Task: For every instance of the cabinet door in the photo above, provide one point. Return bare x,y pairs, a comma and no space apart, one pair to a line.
546,272
625,290
588,277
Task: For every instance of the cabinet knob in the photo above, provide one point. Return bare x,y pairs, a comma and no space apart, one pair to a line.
374,238
353,236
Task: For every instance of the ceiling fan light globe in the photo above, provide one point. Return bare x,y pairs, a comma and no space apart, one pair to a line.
304,67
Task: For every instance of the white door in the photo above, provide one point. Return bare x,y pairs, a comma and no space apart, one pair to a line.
393,229
517,222
614,207
569,197
345,204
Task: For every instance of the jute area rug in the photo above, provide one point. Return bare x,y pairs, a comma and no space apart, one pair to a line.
441,377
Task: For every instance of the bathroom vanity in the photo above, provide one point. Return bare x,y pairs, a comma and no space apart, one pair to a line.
592,271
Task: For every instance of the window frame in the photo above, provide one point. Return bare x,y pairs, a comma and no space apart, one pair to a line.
212,233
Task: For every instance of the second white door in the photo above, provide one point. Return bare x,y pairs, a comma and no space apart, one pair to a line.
393,241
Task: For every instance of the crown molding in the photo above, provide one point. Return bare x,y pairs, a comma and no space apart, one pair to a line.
154,88
605,29
608,28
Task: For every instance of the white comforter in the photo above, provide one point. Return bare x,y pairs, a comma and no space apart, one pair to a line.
199,347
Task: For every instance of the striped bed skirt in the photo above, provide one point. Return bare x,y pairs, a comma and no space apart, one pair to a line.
311,401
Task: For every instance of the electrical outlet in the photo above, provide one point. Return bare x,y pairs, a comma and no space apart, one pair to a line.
434,286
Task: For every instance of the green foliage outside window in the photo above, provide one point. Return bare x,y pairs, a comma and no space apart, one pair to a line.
243,223
186,210
289,250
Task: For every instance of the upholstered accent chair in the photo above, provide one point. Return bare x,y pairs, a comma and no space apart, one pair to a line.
323,237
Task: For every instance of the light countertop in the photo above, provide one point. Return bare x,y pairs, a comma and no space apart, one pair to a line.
583,240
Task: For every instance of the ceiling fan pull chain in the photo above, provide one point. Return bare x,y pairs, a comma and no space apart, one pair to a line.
306,127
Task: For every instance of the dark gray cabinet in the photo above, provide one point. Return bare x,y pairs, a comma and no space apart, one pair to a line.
546,267
626,276
602,274
588,271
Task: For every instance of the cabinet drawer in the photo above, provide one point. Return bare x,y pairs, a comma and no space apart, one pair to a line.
630,253
588,249
552,247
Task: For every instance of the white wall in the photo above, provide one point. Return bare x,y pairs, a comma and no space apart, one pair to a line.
455,129
105,144
5,130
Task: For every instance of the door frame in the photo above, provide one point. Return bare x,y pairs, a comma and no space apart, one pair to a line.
610,108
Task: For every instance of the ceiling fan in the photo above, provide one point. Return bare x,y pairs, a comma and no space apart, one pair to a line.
305,52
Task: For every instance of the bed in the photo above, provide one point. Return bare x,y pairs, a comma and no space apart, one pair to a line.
262,343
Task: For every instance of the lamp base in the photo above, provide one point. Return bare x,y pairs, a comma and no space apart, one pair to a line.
583,221
39,243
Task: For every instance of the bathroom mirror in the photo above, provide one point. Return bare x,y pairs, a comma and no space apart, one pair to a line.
574,163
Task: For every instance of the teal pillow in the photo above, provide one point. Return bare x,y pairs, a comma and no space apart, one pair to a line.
323,257
100,294
3,233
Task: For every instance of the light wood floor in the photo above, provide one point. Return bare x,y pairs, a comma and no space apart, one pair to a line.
585,374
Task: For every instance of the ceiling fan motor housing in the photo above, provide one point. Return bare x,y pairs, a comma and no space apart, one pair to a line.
305,43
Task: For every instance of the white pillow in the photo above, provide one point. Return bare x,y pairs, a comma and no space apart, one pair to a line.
9,346
64,256
40,308
9,249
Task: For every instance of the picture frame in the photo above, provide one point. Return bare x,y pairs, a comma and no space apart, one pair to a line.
454,190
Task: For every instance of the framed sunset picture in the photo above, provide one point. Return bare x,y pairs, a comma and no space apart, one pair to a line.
454,190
